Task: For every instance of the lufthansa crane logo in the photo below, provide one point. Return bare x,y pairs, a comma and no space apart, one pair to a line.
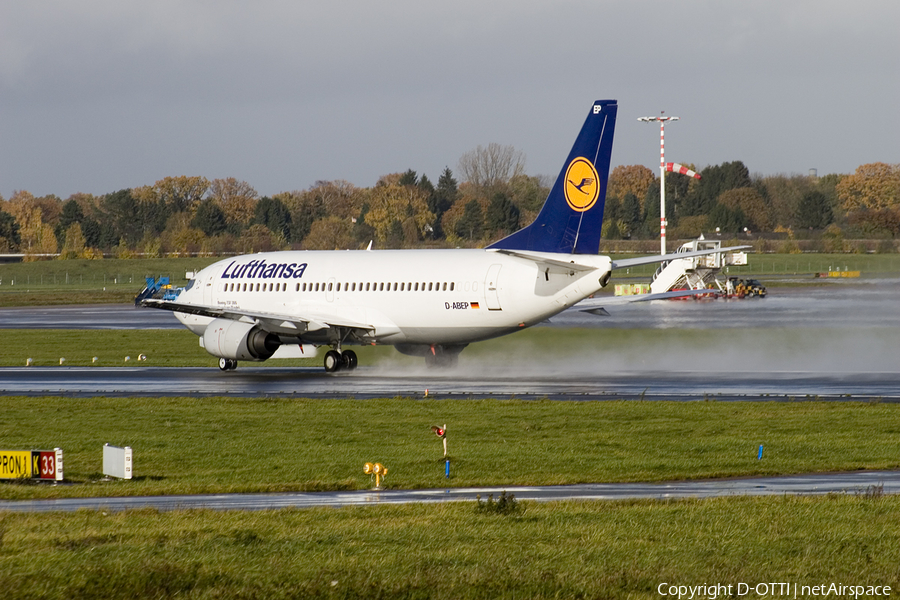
582,184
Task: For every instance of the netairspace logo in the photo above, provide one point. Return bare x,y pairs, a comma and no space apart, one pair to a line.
711,591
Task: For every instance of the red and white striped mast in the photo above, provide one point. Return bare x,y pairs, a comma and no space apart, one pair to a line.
662,174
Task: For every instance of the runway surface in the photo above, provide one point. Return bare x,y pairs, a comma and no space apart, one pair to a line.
860,482
836,341
845,303
375,382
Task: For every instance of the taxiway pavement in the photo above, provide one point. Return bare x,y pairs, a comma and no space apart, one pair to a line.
859,482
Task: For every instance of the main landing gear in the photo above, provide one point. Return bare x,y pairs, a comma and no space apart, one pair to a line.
227,364
340,361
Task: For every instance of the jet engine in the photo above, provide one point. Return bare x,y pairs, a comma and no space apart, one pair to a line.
239,341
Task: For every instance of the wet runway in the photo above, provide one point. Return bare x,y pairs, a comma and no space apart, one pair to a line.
860,482
835,341
374,382
844,303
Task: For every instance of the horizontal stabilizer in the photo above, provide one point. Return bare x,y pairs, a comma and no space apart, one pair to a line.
596,305
648,260
547,260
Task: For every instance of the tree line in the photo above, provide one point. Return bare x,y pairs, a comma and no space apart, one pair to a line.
492,198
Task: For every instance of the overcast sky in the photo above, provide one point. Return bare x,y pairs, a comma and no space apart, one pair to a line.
96,96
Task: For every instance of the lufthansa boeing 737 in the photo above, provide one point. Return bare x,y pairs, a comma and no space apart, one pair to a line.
429,303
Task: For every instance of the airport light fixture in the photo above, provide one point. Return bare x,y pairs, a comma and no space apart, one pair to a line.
662,174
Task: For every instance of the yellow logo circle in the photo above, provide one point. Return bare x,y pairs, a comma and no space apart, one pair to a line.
582,186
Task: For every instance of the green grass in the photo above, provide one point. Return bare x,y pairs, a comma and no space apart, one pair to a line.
554,550
88,281
217,445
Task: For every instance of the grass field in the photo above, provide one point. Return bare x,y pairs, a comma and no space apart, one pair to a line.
554,550
216,445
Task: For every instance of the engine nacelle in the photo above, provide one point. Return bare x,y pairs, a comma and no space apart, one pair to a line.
240,341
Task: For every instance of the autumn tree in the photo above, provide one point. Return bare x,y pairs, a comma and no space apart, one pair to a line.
330,233
258,238
74,244
236,198
751,205
37,237
181,193
631,179
305,208
873,186
393,205
338,198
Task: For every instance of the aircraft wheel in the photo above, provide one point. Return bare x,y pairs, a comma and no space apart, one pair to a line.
227,364
350,361
333,361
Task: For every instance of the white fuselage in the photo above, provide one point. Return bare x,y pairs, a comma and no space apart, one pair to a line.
403,296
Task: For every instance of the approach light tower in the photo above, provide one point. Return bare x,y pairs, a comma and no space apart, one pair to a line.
662,174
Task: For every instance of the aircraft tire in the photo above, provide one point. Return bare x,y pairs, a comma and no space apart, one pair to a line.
349,360
227,364
333,361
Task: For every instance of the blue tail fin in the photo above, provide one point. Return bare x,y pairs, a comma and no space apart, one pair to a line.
572,215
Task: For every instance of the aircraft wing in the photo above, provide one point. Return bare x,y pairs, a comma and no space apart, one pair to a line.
273,322
597,305
646,260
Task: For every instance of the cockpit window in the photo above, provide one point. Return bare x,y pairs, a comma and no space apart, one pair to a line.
189,285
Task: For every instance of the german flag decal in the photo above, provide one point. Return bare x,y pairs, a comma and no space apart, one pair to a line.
475,305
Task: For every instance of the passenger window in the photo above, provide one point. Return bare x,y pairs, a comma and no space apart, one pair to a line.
367,287
329,287
451,285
